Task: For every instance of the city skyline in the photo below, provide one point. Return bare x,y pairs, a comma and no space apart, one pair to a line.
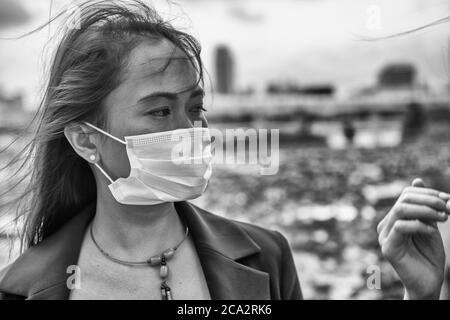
302,41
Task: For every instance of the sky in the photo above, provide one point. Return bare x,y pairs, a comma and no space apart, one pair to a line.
306,41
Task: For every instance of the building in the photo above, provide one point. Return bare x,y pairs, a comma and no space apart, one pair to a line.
224,70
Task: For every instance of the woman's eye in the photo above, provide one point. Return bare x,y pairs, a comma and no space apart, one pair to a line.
198,109
160,113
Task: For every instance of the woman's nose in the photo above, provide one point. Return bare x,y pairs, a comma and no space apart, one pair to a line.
183,121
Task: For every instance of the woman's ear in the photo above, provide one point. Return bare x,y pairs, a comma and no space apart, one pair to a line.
83,141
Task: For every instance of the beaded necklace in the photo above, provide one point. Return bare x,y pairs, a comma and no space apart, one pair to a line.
159,259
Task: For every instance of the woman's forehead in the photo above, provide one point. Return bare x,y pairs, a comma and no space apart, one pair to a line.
157,61
153,68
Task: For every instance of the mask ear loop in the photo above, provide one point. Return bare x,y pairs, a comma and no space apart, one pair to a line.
104,173
112,137
104,132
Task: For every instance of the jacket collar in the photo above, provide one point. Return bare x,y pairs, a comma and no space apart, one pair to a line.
41,272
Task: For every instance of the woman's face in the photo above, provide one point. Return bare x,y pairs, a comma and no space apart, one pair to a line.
150,100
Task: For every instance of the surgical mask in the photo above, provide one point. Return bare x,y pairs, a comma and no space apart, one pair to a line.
166,166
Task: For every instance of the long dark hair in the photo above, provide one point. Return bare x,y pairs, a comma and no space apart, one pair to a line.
86,67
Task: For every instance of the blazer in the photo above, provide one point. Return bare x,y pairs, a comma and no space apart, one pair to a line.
239,260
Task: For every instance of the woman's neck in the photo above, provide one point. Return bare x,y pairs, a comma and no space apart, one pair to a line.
136,232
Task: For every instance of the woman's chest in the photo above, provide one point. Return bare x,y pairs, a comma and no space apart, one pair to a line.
101,278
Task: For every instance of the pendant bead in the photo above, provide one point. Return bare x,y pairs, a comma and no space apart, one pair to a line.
164,271
169,294
166,293
155,260
168,253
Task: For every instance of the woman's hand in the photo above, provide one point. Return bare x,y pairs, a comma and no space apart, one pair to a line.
411,242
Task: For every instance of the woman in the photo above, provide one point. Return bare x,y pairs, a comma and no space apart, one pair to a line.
410,239
108,216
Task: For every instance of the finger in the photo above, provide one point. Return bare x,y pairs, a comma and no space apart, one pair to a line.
435,203
402,228
432,192
418,183
407,211
381,225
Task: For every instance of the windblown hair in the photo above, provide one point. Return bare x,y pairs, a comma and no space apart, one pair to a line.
87,65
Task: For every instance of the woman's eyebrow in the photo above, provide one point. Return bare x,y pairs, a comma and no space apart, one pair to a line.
159,94
197,92
170,95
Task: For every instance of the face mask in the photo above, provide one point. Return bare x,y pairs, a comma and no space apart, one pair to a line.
166,166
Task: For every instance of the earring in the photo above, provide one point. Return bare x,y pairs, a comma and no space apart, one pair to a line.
92,157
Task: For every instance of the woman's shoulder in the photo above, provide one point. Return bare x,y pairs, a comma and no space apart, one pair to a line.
5,294
269,250
274,238
4,270
269,240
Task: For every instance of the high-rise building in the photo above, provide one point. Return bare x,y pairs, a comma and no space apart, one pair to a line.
224,70
397,75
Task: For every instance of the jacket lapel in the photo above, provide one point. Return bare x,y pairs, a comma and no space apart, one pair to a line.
219,245
41,272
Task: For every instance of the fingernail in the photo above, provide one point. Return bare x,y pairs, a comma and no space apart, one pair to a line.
444,196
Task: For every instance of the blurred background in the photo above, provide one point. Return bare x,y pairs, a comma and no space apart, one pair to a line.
360,113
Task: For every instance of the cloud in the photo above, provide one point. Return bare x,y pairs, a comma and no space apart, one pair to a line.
245,14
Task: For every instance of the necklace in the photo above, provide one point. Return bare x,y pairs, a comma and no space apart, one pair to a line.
156,260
